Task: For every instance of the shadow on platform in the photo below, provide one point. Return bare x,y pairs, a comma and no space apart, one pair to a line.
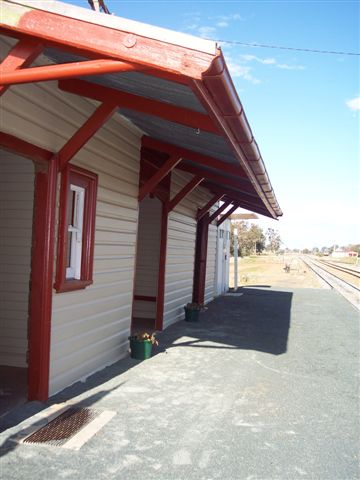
257,320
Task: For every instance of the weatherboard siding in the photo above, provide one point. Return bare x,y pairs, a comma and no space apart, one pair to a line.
179,273
90,327
16,217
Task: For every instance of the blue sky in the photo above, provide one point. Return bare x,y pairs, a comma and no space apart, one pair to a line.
303,107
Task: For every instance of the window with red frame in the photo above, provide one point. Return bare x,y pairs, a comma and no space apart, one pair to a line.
76,236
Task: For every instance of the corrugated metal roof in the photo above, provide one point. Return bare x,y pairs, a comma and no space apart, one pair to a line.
141,84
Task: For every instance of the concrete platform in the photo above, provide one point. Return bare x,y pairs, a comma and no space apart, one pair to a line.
265,386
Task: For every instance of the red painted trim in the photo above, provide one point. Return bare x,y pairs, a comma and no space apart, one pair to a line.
20,56
243,187
184,192
83,135
203,211
87,180
42,262
255,205
227,112
25,149
144,298
219,210
159,323
87,39
201,247
164,170
186,154
227,214
66,70
169,112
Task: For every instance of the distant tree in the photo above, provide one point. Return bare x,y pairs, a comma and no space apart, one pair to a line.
274,240
306,251
251,238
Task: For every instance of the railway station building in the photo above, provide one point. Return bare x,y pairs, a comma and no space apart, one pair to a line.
124,148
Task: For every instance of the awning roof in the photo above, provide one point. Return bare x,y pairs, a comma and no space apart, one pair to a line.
179,92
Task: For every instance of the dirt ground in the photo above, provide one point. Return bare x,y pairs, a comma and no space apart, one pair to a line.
269,270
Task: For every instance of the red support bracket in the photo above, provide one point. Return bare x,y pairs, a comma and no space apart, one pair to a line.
228,213
219,210
20,56
164,170
90,127
66,70
183,192
203,211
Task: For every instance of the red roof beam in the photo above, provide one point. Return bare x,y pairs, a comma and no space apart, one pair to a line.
20,56
219,210
206,160
184,192
86,38
173,113
203,211
227,214
164,170
83,135
67,70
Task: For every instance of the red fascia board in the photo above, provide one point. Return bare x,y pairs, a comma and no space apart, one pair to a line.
89,39
83,135
219,97
195,157
141,104
184,192
25,149
67,70
20,56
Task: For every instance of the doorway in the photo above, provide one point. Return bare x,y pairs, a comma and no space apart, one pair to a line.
147,265
17,178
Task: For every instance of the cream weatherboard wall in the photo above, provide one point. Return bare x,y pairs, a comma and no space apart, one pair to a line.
90,327
16,217
179,273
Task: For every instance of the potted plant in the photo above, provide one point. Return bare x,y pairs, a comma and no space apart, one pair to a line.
192,311
141,345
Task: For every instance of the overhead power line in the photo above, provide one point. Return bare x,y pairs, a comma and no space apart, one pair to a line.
279,47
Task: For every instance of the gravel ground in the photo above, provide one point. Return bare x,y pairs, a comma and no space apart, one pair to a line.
264,387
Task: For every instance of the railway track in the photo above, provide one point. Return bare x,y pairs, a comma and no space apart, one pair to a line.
347,288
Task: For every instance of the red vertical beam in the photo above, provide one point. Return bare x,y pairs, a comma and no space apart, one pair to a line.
42,264
227,214
203,211
219,210
184,191
164,170
159,322
20,56
83,135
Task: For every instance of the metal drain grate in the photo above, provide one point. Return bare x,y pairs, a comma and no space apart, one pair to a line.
62,428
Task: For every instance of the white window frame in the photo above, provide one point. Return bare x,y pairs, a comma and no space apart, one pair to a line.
76,230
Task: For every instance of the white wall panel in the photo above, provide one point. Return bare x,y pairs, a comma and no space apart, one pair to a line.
16,216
